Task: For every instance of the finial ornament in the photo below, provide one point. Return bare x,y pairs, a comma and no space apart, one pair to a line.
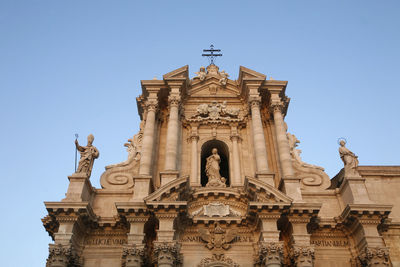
210,54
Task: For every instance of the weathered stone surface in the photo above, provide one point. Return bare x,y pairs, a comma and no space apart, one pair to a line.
214,179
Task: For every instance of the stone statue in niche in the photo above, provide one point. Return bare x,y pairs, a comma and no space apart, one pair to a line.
212,170
201,75
349,159
88,154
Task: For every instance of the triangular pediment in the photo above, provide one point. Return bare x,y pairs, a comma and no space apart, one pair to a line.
245,73
212,87
178,74
265,193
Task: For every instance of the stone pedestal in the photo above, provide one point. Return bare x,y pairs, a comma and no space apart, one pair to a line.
354,191
141,187
79,189
266,177
168,176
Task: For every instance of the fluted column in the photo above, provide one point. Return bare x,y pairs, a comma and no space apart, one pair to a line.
194,160
236,179
283,143
258,136
148,139
171,148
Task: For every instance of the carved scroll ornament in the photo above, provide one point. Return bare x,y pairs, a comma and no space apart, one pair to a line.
120,176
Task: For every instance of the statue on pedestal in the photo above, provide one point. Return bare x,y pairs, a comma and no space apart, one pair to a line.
349,159
212,170
88,154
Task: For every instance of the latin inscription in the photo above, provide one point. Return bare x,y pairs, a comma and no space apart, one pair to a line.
198,239
330,243
105,241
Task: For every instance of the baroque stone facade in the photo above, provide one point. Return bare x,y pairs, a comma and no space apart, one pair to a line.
213,178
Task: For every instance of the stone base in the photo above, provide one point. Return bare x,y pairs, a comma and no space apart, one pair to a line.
266,177
141,188
168,176
79,188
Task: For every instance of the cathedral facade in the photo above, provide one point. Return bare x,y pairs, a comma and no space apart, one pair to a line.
213,178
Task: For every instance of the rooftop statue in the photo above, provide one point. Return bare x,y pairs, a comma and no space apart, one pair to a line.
88,154
224,77
201,75
212,170
350,160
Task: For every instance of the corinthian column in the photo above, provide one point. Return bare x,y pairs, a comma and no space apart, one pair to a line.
148,139
193,166
236,181
171,147
258,136
283,143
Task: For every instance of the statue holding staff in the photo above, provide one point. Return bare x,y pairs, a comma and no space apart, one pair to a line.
88,154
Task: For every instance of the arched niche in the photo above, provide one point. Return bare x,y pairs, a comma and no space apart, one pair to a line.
223,152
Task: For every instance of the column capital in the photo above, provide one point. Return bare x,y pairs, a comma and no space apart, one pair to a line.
174,100
276,106
132,256
254,101
374,256
151,105
270,253
302,256
62,255
166,253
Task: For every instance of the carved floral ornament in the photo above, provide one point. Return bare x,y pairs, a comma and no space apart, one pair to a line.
374,256
218,260
60,255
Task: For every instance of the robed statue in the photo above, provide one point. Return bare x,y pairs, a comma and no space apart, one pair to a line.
88,154
212,170
350,160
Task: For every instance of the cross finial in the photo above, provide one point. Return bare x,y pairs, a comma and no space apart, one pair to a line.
210,54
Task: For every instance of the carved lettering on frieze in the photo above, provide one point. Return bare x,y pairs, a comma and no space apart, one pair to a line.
329,243
105,241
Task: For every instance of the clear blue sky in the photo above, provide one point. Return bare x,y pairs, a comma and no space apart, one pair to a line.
71,67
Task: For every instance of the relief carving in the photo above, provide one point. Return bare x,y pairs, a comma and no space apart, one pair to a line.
216,112
120,176
217,237
312,176
218,260
216,209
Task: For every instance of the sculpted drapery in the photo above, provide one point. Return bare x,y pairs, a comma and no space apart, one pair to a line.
212,170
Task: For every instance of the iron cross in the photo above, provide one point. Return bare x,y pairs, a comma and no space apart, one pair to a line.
210,54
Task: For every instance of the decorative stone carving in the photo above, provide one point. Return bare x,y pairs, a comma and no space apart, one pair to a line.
216,112
375,256
132,256
216,209
350,160
218,260
88,154
119,176
302,256
62,256
167,254
270,254
217,237
312,176
212,170
201,75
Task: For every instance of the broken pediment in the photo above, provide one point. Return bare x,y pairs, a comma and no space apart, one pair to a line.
173,191
265,193
178,74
